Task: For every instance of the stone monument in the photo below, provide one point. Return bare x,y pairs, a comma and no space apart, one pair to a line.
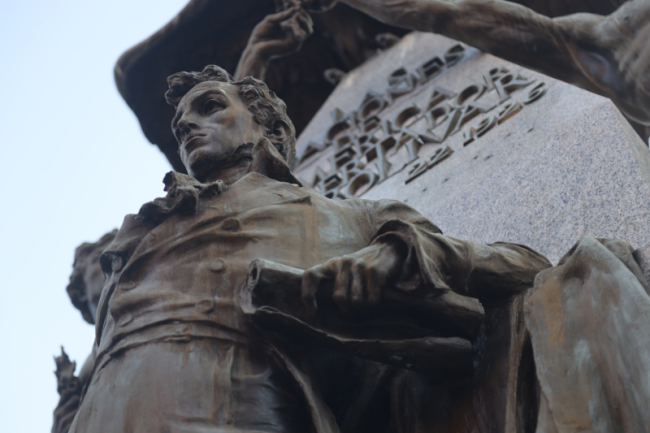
485,148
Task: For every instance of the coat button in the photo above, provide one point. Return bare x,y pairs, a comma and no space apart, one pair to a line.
180,328
117,264
128,285
217,265
126,319
231,225
205,305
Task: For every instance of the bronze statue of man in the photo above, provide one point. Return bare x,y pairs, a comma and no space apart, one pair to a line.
174,352
607,55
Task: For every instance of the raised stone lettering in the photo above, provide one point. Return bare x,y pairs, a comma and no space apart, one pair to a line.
372,106
401,83
471,110
361,183
438,115
485,125
510,82
422,166
430,69
474,90
439,94
439,156
535,93
508,110
338,128
407,114
377,153
494,74
454,55
418,168
468,136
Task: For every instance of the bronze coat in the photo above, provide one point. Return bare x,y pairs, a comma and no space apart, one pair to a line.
174,270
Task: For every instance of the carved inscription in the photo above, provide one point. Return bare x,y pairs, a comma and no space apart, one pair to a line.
362,146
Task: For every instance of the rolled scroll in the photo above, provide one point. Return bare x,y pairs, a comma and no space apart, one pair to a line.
407,331
279,286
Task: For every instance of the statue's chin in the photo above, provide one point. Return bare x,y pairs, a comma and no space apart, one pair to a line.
203,163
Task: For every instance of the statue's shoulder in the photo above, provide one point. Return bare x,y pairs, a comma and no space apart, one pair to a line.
127,239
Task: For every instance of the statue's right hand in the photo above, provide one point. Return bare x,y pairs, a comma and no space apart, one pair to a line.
281,34
358,279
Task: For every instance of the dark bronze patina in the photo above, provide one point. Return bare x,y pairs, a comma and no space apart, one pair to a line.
193,331
85,288
245,302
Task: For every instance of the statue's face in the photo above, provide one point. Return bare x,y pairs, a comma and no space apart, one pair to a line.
211,122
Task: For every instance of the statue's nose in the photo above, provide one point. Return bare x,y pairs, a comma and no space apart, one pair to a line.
186,123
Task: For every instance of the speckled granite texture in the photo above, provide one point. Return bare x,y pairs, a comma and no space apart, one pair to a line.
565,166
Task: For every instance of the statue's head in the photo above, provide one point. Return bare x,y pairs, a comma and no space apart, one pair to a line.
87,279
215,115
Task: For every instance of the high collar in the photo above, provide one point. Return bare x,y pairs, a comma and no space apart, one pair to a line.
184,192
268,162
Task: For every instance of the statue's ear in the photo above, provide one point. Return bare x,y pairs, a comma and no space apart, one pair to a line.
279,132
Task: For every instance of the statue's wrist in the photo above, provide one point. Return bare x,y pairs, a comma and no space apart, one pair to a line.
252,63
255,54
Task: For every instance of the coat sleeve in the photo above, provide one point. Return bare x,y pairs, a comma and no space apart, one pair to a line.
436,263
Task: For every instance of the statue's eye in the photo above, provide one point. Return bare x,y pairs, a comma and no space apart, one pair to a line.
211,106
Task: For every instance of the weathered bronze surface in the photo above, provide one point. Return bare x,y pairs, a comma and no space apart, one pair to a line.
194,333
607,55
87,279
588,320
69,388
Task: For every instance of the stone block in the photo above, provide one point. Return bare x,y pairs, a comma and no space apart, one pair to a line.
539,162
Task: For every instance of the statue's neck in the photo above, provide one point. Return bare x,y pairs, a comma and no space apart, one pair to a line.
231,174
234,168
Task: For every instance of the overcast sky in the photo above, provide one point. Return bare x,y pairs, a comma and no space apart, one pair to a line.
75,162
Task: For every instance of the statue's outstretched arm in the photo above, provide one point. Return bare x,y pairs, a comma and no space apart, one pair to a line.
607,55
507,30
409,253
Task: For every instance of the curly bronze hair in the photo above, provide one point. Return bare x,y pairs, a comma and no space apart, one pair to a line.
266,107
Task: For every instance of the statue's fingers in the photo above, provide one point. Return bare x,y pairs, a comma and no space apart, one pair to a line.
342,281
305,21
311,281
281,16
302,31
296,28
357,286
374,283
